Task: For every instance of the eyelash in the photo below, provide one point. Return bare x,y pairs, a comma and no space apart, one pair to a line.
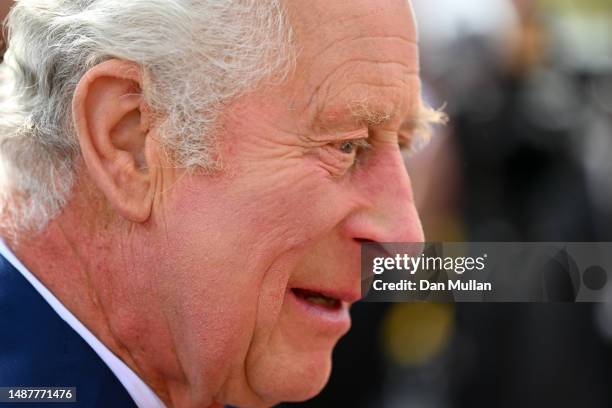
407,145
357,145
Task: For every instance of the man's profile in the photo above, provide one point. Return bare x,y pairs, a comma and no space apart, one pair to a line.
184,188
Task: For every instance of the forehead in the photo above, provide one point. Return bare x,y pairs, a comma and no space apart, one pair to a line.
335,18
358,59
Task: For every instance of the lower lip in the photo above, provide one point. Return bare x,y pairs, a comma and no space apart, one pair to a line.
333,321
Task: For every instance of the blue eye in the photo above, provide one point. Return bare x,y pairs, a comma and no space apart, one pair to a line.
347,147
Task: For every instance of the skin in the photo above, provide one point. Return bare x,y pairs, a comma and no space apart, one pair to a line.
187,276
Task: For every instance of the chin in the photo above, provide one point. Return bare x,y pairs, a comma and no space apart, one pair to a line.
290,356
276,379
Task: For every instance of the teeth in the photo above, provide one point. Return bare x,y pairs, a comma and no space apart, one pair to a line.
321,301
317,298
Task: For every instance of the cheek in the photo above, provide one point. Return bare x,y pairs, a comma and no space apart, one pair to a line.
286,361
291,206
231,247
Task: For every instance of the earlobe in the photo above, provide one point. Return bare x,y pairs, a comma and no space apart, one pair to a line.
113,133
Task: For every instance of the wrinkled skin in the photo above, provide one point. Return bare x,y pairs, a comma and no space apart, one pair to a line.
197,297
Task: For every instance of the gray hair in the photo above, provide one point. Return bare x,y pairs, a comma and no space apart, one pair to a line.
195,56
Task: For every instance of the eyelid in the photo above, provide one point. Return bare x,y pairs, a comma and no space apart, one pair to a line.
361,143
339,163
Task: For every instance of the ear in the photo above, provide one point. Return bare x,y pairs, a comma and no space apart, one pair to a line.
112,127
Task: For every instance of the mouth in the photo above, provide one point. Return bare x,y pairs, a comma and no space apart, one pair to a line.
318,299
323,311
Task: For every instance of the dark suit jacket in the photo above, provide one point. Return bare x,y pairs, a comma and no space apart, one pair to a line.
39,349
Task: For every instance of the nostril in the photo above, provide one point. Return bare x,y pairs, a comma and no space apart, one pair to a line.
364,240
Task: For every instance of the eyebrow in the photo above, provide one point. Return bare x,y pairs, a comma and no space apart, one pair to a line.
417,126
421,122
364,114
426,118
415,133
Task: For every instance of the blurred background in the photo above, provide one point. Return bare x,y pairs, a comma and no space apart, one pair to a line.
527,156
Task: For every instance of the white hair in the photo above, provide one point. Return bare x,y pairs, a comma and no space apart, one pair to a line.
195,56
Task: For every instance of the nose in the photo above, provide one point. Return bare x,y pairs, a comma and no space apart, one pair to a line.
388,212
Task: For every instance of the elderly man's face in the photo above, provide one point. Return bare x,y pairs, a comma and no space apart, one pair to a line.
263,259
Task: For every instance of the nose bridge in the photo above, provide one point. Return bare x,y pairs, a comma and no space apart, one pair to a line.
394,217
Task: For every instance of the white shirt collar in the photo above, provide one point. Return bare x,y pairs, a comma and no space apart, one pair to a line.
141,393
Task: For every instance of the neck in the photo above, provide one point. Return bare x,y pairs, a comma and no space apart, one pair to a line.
88,273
